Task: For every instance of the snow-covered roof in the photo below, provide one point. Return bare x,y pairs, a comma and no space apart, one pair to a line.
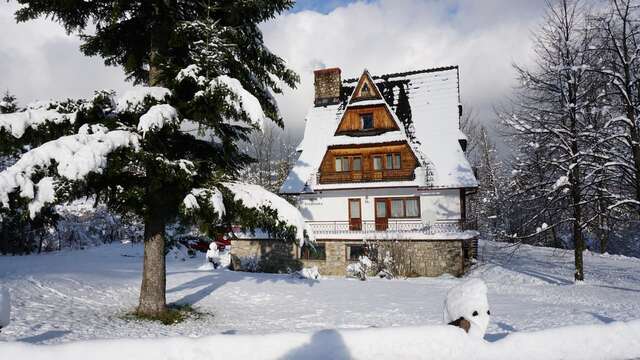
433,98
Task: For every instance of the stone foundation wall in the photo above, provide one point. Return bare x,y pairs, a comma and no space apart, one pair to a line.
272,255
411,258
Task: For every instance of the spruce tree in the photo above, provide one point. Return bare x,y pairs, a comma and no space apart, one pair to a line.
204,61
8,103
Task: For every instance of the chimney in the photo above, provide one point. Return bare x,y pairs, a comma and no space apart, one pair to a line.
327,85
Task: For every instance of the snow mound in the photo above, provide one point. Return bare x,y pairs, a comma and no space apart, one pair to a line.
469,300
5,307
612,341
133,100
311,273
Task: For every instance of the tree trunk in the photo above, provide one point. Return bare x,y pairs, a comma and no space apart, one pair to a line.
576,198
154,277
152,293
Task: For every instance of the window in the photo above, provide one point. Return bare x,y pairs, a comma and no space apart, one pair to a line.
354,208
389,162
381,208
365,91
397,208
377,163
413,207
357,163
403,208
355,251
342,164
396,161
392,161
313,252
366,121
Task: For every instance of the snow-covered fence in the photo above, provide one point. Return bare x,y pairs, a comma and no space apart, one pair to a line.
617,340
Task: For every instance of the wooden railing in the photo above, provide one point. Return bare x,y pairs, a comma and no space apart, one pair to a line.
364,176
401,226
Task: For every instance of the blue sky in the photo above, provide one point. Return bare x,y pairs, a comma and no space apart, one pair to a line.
321,6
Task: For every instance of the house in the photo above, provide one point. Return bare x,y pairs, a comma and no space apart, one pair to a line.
382,171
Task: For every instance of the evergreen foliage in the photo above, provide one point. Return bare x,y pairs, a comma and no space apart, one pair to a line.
207,62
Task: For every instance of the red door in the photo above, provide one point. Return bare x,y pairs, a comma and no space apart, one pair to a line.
355,215
382,214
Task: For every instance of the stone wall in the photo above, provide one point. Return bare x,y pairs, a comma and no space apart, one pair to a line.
271,255
411,258
327,86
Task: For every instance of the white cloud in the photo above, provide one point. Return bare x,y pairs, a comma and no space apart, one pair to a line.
483,37
38,60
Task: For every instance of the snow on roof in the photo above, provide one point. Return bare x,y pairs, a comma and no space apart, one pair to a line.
321,124
433,98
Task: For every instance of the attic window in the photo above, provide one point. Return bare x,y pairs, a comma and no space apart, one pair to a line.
366,121
365,91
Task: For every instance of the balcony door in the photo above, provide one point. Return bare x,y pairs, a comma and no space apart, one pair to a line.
355,215
382,214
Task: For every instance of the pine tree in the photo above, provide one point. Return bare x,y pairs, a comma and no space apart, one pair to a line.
8,103
204,61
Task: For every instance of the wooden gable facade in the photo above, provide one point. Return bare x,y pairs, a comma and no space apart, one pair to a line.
354,121
367,114
368,163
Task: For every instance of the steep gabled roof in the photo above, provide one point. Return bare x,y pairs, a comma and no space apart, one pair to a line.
428,101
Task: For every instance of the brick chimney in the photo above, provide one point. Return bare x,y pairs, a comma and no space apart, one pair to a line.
327,85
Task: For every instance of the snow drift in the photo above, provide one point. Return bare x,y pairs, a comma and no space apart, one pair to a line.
618,340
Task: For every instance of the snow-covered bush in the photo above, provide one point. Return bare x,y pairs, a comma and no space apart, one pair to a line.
311,273
393,259
360,269
5,307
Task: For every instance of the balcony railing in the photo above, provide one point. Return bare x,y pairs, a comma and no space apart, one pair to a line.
399,226
364,176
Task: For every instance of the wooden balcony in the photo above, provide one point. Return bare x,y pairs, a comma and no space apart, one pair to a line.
365,176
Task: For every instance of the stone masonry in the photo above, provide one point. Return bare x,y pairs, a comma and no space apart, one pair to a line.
327,86
411,258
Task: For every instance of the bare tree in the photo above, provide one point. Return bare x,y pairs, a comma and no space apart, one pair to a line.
553,123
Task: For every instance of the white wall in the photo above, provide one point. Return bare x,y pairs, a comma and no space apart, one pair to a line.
333,205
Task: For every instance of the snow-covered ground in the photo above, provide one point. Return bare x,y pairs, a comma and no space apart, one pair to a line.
81,295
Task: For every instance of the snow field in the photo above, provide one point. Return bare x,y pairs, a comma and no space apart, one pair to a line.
81,295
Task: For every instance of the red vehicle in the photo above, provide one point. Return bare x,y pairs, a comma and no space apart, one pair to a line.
222,241
196,243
